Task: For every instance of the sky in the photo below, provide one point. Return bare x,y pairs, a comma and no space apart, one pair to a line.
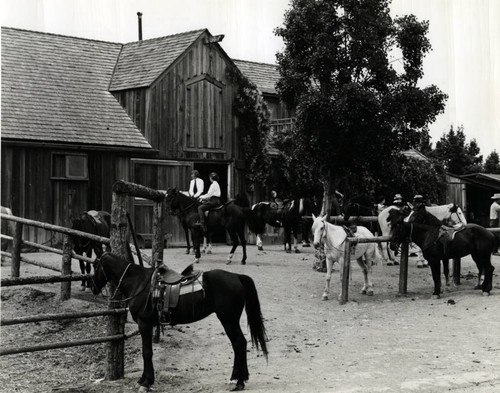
464,34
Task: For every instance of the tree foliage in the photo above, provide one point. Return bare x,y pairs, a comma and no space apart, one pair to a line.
492,163
457,156
354,109
253,126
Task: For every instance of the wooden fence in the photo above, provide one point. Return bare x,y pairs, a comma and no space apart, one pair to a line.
119,242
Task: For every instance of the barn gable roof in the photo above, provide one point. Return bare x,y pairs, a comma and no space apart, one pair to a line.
55,89
263,75
140,63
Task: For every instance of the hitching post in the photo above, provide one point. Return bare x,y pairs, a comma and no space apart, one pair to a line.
66,267
157,247
17,241
344,295
119,237
403,268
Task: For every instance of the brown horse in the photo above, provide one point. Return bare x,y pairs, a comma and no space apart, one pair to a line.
426,231
224,293
96,223
230,217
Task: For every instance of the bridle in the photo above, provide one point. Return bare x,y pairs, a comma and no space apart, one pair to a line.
323,237
112,298
178,212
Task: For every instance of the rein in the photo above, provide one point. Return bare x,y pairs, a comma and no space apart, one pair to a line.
120,282
324,237
184,209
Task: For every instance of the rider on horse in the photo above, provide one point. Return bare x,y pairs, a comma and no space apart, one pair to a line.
210,199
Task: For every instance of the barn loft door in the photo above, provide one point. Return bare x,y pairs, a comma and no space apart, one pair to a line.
204,115
159,175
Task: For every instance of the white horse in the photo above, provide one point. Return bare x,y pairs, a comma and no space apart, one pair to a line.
450,212
331,238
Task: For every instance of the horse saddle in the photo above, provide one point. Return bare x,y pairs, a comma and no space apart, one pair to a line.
169,286
94,215
446,235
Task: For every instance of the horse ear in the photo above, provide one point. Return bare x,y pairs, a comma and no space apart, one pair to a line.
313,216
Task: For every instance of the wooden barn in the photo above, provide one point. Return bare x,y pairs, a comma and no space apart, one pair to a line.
79,114
473,192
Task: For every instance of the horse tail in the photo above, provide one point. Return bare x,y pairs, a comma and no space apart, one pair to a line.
254,314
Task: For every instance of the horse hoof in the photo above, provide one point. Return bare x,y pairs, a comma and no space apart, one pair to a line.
306,245
144,389
288,251
197,260
436,296
369,293
486,293
389,264
209,251
243,263
363,292
297,251
238,388
260,248
396,263
228,262
324,297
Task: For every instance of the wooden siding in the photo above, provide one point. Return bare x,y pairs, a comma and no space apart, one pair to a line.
159,175
32,186
187,113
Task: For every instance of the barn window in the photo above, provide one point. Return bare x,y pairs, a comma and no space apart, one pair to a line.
204,115
70,166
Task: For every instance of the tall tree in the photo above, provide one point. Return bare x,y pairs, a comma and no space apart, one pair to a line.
492,163
458,156
354,109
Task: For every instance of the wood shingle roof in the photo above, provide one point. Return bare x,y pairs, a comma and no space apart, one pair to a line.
55,89
141,62
264,75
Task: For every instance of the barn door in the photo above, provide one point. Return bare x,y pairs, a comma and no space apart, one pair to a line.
158,175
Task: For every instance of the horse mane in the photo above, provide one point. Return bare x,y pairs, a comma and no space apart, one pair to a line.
422,216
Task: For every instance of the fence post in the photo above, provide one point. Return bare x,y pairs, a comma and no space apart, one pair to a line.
115,350
403,268
157,243
344,295
17,242
66,267
456,271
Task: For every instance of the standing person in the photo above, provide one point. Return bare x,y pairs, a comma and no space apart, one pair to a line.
495,215
210,199
196,185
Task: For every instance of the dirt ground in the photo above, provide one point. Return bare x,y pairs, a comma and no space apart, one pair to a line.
384,343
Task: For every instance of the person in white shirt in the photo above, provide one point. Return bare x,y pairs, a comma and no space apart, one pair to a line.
196,185
495,215
210,199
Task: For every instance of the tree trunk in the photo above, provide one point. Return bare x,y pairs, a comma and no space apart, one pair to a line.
328,195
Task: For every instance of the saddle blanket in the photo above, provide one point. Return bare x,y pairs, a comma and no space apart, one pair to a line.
172,293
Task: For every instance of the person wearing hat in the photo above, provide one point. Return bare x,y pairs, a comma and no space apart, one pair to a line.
418,202
495,211
495,214
398,200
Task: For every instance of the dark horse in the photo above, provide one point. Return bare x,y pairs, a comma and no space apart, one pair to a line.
96,223
224,293
290,216
229,216
436,244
